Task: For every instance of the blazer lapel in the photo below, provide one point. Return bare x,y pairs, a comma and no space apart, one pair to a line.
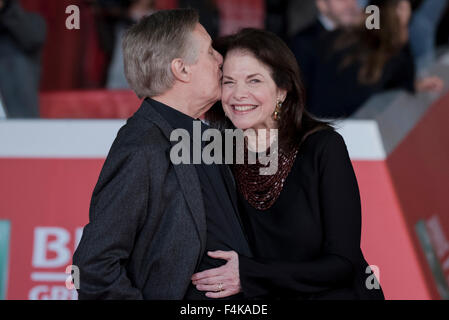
190,186
187,176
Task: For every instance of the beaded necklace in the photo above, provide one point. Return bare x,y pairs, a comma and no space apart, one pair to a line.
262,191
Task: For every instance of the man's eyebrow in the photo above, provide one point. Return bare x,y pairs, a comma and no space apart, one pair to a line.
228,77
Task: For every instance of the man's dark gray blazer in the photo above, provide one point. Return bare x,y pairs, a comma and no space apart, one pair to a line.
147,226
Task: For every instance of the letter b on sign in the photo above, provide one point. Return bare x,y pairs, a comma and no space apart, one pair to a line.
54,240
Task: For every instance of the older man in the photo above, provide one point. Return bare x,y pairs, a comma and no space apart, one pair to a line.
147,232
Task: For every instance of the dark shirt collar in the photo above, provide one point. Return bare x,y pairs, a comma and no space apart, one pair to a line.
175,118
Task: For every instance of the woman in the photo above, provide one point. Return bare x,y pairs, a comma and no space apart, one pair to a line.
303,222
355,63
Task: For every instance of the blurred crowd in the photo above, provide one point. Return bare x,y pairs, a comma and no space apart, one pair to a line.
342,62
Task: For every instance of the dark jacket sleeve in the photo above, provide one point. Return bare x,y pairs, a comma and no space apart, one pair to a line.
119,205
27,29
341,222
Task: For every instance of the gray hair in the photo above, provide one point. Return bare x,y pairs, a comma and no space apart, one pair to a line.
152,44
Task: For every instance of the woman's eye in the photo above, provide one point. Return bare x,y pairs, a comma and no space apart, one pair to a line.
254,81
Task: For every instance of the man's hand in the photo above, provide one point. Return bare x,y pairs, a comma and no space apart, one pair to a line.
223,281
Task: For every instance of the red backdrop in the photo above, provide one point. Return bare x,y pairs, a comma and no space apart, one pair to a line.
72,59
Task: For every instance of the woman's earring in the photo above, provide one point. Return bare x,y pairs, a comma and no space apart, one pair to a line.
277,110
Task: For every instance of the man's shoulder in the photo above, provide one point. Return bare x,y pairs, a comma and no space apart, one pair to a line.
139,135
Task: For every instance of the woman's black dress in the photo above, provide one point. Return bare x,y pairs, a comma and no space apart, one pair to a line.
307,243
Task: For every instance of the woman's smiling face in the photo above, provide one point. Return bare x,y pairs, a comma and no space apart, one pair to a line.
249,94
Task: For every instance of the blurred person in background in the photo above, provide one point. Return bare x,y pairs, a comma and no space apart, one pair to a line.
209,14
300,15
277,18
332,14
354,63
22,36
423,29
115,17
442,34
2,108
426,17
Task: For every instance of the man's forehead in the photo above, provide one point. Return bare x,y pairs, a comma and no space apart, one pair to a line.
202,32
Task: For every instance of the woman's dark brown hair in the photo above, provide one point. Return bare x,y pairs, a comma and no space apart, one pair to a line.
295,123
374,47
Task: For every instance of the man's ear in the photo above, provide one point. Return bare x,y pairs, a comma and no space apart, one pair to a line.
180,70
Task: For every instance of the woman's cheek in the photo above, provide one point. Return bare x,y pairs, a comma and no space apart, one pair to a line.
225,92
225,97
226,107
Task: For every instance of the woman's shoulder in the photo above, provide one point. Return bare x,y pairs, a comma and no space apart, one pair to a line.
324,137
325,147
324,143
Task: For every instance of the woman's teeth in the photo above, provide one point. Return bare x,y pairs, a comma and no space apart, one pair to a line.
245,108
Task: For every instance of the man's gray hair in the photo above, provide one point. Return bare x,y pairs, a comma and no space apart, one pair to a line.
152,44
